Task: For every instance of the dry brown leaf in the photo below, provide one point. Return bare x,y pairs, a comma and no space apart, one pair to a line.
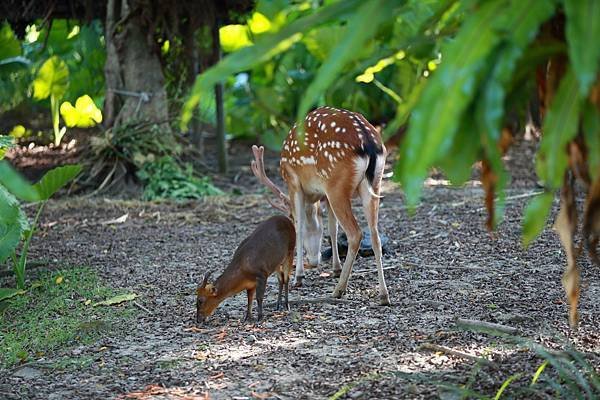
591,221
265,395
565,225
217,376
221,335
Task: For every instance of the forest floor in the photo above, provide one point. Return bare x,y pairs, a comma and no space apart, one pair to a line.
441,265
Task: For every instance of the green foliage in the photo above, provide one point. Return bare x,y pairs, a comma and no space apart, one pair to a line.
263,50
565,374
166,179
583,28
14,226
52,79
560,126
6,142
534,218
57,312
9,44
65,63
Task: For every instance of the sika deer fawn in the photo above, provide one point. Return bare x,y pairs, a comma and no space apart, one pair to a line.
340,155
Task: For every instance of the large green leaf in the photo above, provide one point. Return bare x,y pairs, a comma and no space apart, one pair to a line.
266,48
16,184
528,15
583,31
465,152
55,179
12,224
358,33
591,131
7,293
9,44
436,118
560,126
52,79
536,214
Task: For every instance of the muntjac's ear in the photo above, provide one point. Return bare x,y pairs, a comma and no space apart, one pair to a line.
211,289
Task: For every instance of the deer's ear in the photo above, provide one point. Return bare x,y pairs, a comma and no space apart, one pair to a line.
210,288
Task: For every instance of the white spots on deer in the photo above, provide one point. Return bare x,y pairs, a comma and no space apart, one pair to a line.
332,124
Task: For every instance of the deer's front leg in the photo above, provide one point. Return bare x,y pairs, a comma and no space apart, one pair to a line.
299,222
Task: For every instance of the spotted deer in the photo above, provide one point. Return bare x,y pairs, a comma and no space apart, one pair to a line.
340,155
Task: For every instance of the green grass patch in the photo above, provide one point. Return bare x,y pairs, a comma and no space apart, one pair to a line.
56,313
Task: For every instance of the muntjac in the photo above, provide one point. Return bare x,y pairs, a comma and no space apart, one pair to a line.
270,248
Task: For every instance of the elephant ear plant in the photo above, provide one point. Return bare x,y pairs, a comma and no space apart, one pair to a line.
14,225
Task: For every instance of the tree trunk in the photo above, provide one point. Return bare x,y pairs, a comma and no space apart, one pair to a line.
143,93
220,123
112,71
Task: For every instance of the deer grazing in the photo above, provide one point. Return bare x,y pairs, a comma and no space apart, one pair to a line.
339,156
268,249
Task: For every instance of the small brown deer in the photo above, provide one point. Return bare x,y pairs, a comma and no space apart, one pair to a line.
340,155
268,249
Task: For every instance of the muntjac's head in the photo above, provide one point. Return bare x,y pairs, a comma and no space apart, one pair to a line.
206,299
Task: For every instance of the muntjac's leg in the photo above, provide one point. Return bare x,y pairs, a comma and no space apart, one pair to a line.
280,292
250,293
261,285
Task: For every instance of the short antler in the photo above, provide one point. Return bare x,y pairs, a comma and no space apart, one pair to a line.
258,168
206,278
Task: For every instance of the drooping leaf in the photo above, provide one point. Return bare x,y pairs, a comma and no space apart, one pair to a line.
265,49
535,216
13,223
583,31
52,79
16,184
55,179
465,152
358,33
565,225
84,115
435,120
116,300
560,126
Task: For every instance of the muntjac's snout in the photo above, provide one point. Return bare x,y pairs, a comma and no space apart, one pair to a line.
205,299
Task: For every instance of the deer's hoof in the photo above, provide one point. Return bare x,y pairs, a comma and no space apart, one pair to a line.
298,281
338,293
384,300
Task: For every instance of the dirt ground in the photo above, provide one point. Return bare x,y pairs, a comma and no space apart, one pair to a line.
442,265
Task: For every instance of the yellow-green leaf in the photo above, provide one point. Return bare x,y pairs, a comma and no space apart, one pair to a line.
234,37
84,115
116,300
259,23
51,79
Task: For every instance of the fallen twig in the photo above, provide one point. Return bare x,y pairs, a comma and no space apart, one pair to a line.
366,271
135,303
457,353
486,325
